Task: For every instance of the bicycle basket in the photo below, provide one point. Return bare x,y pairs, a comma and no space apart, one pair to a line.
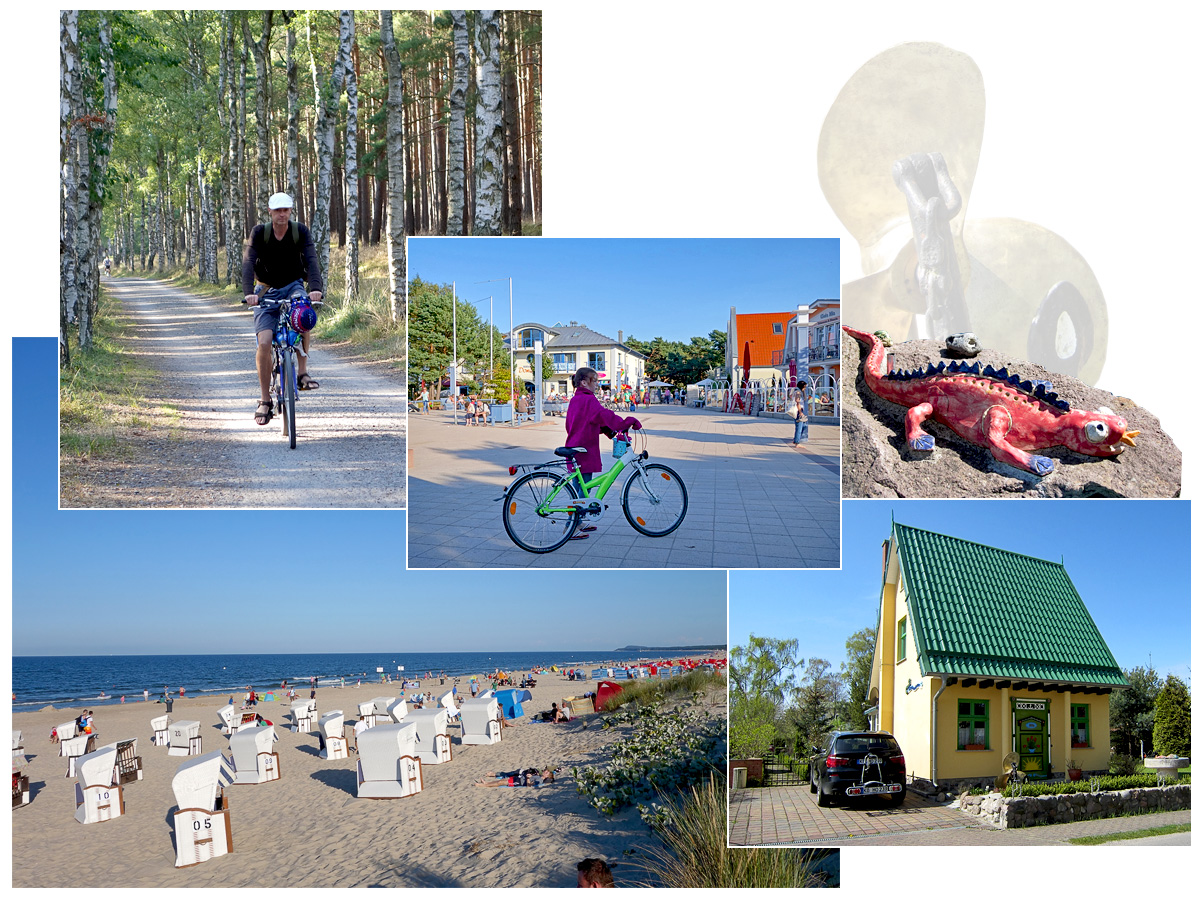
620,445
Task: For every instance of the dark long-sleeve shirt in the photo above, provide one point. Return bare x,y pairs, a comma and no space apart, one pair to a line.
277,263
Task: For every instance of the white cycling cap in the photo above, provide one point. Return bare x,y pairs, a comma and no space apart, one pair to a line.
279,201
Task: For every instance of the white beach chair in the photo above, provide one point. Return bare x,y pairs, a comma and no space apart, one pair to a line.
183,739
331,729
446,702
245,720
381,705
366,715
397,710
253,761
387,763
481,721
74,748
228,716
65,732
202,818
160,725
303,715
18,745
98,796
433,743
128,765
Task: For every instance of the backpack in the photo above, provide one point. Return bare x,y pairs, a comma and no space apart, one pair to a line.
268,232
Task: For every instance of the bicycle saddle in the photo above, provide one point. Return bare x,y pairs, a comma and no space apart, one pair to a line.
569,452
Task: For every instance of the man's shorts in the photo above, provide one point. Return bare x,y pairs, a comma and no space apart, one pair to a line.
266,319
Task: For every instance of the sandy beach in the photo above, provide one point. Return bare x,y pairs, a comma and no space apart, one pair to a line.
309,829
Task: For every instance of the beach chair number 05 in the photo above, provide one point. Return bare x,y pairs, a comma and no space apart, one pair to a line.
543,508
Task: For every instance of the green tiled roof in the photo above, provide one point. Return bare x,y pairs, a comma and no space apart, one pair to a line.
978,610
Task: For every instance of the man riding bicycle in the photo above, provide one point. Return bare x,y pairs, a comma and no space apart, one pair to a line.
278,255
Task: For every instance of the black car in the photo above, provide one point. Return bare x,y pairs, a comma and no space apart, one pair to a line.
858,764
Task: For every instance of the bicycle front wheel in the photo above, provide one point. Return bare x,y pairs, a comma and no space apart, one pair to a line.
654,499
526,518
289,398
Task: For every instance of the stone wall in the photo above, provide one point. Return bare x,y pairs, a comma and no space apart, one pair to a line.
1024,812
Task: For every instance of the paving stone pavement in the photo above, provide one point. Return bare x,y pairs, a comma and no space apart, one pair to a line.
790,816
754,501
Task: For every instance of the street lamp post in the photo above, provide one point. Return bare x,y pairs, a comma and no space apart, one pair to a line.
512,405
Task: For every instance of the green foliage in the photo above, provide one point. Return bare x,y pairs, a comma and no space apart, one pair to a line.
696,855
667,751
691,685
680,363
856,674
1123,764
1131,711
431,338
1104,783
751,727
765,667
819,702
1129,835
1172,719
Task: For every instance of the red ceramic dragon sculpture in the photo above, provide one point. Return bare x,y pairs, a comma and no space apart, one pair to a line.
989,407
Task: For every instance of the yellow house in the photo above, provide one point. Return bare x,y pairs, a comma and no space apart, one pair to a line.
980,652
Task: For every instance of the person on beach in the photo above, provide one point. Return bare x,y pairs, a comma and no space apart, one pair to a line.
801,435
279,255
556,714
521,778
594,873
586,420
146,695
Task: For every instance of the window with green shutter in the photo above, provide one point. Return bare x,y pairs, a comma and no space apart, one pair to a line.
902,640
1080,728
973,725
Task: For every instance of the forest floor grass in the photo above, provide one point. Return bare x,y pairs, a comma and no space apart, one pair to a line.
103,413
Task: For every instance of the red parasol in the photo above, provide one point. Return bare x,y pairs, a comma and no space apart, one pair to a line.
746,367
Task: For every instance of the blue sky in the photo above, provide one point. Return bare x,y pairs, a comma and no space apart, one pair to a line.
188,581
675,289
1129,559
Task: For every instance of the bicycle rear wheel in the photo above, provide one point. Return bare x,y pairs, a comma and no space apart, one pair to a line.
540,532
289,398
654,500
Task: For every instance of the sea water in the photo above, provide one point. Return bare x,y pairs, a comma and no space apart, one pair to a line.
67,681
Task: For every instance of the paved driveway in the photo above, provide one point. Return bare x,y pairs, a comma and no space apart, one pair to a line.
790,815
754,500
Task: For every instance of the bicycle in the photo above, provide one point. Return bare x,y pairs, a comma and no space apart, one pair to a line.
284,344
544,508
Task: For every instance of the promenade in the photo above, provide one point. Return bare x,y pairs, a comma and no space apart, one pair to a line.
755,501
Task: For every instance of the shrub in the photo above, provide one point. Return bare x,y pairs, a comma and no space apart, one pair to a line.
1103,783
1123,764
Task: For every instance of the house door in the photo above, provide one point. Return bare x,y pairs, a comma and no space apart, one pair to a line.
1032,737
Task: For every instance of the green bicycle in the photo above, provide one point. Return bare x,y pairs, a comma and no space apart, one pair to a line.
543,508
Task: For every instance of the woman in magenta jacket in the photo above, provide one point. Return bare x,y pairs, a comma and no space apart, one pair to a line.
587,418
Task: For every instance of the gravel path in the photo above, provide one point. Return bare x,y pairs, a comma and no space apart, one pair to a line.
350,447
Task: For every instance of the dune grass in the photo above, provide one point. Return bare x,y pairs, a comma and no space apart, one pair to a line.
678,687
695,854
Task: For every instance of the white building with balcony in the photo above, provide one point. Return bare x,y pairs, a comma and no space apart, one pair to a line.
570,347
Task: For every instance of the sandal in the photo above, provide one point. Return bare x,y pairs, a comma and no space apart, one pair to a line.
264,412
308,383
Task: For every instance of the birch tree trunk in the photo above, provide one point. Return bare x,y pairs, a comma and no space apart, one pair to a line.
327,97
489,128
68,73
351,154
261,48
293,120
456,150
514,211
397,262
84,258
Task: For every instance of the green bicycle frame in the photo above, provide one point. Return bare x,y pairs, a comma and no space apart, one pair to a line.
601,483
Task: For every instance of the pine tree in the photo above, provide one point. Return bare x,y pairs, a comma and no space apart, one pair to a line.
1173,719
